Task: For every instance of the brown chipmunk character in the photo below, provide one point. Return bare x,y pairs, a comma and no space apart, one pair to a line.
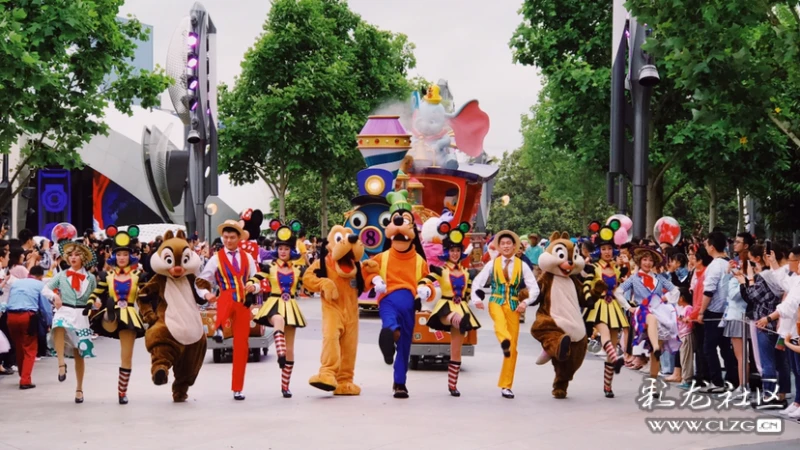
168,304
559,322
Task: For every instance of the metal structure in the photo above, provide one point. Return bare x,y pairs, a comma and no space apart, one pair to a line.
191,63
629,161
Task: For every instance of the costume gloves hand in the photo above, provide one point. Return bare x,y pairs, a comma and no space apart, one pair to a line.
380,285
424,293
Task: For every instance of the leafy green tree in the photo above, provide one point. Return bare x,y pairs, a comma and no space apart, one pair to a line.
304,202
710,56
57,57
307,87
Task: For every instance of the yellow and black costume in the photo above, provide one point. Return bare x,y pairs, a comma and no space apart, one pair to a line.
606,310
451,313
456,289
119,318
281,299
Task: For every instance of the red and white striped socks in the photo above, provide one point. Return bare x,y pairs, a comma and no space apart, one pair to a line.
124,377
452,374
286,375
280,343
608,369
611,352
608,375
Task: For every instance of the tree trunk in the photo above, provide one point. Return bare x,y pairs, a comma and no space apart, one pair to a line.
655,202
323,220
741,226
712,205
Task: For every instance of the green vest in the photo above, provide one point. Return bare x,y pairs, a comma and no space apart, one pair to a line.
502,290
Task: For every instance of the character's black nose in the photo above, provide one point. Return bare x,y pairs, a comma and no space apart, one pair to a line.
398,220
352,238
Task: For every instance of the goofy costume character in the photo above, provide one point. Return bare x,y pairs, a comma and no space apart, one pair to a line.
231,268
394,274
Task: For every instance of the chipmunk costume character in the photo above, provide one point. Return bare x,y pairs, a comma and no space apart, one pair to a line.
168,303
340,282
394,274
118,289
559,323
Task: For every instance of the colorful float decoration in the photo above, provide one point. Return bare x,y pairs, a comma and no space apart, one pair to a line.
441,189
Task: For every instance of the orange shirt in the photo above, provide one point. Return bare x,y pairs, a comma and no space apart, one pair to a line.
401,272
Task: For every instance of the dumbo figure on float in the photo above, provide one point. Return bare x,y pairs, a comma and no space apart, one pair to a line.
436,133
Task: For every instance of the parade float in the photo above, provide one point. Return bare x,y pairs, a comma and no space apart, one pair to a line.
436,164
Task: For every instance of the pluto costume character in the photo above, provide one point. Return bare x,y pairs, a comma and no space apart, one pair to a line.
559,323
340,282
168,303
394,274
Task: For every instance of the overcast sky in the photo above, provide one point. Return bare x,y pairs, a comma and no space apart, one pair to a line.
462,41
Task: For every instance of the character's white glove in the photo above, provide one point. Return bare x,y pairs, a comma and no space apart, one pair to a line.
424,293
380,285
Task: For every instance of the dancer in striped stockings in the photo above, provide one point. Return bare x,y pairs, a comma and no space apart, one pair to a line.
280,309
606,316
118,290
452,314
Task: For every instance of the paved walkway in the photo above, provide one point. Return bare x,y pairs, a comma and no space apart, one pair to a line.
47,417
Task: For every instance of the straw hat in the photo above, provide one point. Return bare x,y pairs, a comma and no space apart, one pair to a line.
236,225
510,234
640,252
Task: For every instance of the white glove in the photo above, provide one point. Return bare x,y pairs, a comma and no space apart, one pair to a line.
424,293
380,285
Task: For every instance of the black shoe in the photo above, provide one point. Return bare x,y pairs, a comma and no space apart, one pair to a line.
123,399
563,348
400,391
238,395
506,393
7,371
218,336
61,378
454,392
386,344
618,365
27,386
79,400
609,393
506,345
286,393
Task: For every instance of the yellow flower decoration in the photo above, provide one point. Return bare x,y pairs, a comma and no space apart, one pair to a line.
743,140
777,110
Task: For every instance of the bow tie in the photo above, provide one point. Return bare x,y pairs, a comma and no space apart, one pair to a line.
648,281
77,278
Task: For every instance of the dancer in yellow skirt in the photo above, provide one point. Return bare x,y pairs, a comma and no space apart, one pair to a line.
280,309
606,316
451,313
118,289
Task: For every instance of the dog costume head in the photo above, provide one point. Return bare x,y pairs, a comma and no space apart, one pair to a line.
561,258
175,258
401,233
345,249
